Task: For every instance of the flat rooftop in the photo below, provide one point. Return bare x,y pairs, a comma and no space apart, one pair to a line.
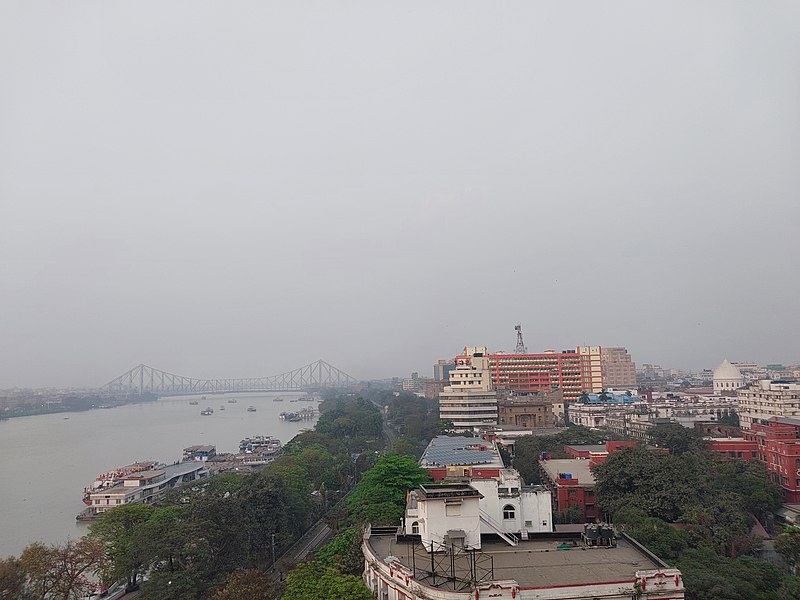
587,447
447,490
533,563
444,451
577,467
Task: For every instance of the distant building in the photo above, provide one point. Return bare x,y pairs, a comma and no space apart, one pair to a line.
727,379
619,370
529,410
441,370
762,400
201,453
572,371
469,402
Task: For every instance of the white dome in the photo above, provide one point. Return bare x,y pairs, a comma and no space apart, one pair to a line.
727,372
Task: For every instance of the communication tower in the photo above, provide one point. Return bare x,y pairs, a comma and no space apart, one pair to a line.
521,349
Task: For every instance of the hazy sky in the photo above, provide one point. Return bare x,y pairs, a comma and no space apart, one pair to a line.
240,188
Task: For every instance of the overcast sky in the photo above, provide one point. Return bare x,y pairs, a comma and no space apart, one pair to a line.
240,188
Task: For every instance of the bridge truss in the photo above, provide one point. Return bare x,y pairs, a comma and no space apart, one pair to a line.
144,379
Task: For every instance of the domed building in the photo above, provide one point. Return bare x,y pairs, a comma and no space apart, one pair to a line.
727,378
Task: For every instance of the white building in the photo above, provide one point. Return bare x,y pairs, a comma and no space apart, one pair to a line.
727,378
499,506
765,399
556,567
469,401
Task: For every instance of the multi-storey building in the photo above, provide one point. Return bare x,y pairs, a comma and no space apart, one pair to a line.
529,410
572,371
469,402
441,370
619,370
762,400
778,445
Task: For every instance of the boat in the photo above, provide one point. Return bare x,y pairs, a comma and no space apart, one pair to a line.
260,444
208,411
193,402
292,417
142,482
251,409
278,399
115,476
232,401
222,408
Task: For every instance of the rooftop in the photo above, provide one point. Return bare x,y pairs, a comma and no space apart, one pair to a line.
446,451
446,490
578,468
533,563
588,447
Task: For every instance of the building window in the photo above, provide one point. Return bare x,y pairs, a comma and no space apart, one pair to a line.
415,528
508,512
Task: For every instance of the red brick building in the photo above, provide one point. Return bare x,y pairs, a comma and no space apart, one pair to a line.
571,483
733,448
778,443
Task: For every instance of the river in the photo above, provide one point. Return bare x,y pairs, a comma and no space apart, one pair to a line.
47,460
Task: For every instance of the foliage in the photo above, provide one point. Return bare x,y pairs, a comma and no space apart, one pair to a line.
696,511
121,531
677,438
380,496
313,581
527,449
787,545
729,418
52,572
343,553
573,514
247,583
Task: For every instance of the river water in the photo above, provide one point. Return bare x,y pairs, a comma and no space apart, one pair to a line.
47,460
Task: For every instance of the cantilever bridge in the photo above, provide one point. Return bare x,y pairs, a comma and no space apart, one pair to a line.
143,379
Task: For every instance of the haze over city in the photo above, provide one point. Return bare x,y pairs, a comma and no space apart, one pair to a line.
221,192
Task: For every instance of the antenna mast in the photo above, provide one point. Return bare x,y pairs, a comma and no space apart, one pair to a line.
521,349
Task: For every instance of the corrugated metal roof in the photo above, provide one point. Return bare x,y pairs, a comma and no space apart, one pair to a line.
455,451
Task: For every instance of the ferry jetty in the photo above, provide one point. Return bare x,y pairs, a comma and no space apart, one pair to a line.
143,482
301,415
254,453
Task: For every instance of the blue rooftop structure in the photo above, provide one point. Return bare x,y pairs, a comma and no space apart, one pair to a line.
611,398
446,451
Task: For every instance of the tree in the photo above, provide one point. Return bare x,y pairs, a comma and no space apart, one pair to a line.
12,580
787,544
656,483
57,572
313,581
677,438
386,485
248,583
343,553
119,530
